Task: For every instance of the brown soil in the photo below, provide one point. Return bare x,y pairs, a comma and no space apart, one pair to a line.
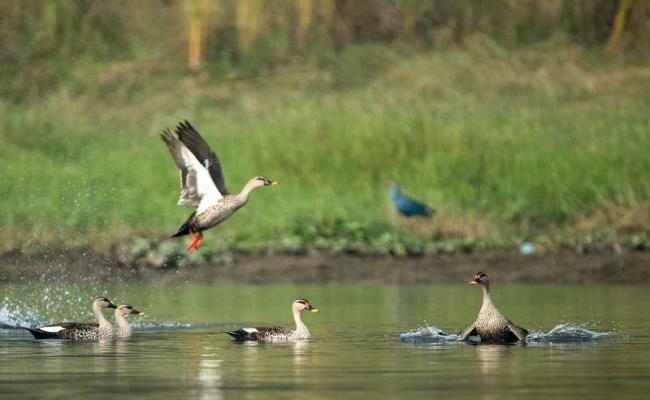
509,266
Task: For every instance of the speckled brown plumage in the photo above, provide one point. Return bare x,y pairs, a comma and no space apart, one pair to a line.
273,334
79,331
202,183
217,213
490,325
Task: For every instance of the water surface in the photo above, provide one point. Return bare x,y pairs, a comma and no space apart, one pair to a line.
179,351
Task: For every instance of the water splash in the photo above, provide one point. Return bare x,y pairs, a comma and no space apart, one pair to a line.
567,333
561,333
16,316
150,325
428,334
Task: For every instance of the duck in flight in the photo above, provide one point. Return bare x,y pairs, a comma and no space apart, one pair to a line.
490,325
202,183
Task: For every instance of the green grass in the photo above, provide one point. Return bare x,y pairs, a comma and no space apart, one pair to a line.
506,144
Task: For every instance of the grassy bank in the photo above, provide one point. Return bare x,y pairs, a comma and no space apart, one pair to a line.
548,143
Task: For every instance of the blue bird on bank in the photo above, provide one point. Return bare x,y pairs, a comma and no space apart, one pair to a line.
407,206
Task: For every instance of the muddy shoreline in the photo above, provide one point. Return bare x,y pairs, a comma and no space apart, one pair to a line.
562,267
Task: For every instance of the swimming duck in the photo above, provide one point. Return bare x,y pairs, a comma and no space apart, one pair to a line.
278,333
123,327
407,206
491,326
202,183
79,331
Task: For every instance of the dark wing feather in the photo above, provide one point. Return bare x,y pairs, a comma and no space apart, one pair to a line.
38,334
73,325
262,333
517,330
193,140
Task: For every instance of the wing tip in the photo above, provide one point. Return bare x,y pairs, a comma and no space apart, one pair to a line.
167,135
184,126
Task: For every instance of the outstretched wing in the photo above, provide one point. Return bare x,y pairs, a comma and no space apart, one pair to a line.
467,332
517,330
197,187
193,140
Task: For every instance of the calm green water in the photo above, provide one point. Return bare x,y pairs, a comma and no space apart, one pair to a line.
178,350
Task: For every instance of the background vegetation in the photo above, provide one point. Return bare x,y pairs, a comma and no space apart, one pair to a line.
516,120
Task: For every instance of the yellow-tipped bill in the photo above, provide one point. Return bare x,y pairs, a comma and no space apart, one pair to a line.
472,282
315,310
275,183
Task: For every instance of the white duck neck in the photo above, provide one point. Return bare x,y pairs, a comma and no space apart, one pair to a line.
301,331
245,193
487,301
101,320
123,327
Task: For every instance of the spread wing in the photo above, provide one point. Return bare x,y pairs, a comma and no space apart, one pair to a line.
197,187
517,330
467,332
193,140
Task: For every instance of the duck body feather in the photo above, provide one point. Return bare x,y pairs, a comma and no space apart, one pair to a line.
492,326
72,331
261,334
212,216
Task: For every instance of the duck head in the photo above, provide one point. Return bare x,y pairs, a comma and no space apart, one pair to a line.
303,305
103,302
125,309
259,181
479,279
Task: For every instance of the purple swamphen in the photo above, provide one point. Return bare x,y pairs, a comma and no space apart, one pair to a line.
407,206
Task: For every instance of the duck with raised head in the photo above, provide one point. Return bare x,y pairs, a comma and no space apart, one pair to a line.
491,326
278,333
123,327
79,331
202,183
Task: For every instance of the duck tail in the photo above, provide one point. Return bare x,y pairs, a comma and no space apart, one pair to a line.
184,229
239,334
38,334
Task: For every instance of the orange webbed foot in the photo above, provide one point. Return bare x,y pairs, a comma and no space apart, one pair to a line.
195,242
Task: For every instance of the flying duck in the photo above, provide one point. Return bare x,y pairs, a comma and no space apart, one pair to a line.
202,183
123,327
79,331
491,326
408,206
278,333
